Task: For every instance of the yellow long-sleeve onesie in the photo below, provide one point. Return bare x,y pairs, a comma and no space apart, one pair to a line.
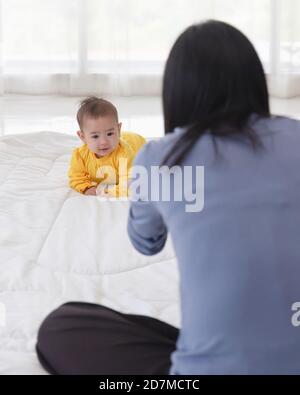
86,170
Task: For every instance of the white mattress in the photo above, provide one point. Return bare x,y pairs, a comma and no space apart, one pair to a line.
58,246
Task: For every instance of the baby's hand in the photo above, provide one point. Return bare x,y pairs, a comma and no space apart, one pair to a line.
103,190
91,191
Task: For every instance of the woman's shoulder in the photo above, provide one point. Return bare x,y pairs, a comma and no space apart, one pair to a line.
282,132
156,149
278,123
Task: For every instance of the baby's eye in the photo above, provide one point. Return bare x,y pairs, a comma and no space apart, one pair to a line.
110,133
95,137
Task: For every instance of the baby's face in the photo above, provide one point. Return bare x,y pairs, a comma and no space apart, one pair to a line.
102,135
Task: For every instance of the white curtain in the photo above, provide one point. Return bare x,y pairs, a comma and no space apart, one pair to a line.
118,47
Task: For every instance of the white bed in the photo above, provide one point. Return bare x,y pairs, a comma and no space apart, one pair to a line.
57,246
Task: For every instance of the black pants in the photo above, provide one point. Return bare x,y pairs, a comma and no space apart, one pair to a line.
83,338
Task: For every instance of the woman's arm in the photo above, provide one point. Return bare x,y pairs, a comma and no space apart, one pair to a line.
146,228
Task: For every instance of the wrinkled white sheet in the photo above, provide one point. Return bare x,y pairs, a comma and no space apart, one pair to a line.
58,246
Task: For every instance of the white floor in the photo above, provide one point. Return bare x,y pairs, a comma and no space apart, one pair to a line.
24,114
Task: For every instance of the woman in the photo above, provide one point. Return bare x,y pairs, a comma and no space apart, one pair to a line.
238,256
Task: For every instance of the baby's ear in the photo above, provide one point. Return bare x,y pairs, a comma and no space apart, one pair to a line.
120,127
81,135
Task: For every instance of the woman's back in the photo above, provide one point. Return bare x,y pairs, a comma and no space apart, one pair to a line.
239,258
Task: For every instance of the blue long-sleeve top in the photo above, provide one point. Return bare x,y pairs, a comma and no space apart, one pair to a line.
238,257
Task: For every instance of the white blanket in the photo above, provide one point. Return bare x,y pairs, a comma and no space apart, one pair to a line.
58,246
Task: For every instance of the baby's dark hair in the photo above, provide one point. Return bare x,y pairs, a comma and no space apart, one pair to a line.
95,107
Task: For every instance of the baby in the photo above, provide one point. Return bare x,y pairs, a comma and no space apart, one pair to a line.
102,165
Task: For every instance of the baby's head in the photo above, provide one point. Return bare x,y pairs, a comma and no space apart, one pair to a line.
99,125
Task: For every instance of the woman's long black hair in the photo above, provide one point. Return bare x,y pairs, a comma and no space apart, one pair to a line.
213,81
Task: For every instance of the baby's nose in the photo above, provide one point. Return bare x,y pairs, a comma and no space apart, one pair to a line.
102,140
